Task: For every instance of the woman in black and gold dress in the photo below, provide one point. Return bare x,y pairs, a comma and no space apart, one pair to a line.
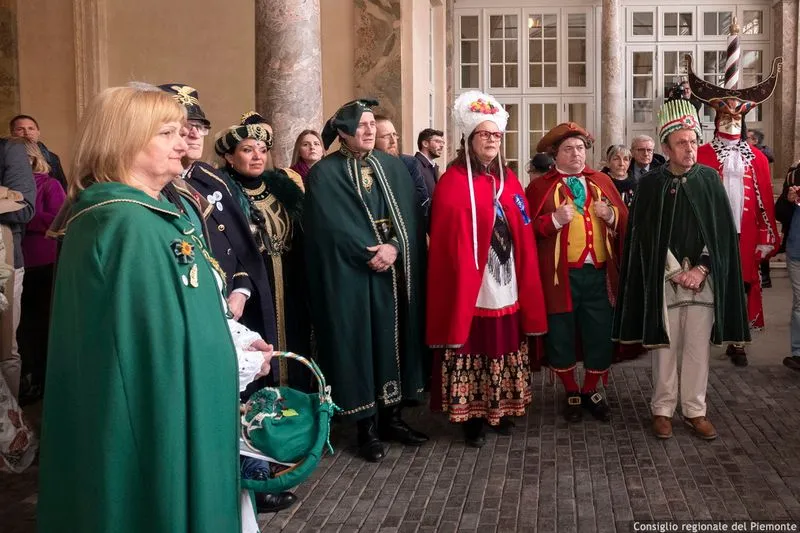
272,200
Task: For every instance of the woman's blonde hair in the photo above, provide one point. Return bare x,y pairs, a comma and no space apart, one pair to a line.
298,142
116,126
38,163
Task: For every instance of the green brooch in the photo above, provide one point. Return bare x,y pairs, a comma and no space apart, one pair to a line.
184,251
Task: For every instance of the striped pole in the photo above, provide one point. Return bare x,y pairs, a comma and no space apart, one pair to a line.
732,61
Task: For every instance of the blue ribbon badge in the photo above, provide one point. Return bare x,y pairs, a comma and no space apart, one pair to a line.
520,202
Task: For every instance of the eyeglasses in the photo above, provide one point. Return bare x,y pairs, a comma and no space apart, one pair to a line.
389,136
645,150
201,129
486,135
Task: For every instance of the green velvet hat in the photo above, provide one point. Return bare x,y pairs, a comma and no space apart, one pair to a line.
346,119
252,126
677,115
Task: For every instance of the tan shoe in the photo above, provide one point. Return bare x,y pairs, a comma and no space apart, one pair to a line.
702,427
662,427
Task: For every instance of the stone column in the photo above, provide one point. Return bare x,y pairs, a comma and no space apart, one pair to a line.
450,76
612,83
786,123
9,71
288,71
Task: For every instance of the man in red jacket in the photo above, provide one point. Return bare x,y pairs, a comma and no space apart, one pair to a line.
579,220
745,174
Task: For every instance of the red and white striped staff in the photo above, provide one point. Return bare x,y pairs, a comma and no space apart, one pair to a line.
732,61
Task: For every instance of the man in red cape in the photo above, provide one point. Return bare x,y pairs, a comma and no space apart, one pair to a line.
746,176
579,220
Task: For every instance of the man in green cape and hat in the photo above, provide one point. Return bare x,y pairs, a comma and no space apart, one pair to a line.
365,270
681,284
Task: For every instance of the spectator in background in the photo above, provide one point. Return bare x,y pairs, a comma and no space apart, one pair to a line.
788,215
27,127
644,157
539,166
618,159
430,144
387,140
39,254
756,138
16,174
307,151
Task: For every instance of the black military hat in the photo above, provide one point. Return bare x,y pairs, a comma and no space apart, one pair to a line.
187,97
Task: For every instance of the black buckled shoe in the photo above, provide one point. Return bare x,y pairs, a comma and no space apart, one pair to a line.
473,433
272,503
737,354
370,446
596,405
391,427
572,407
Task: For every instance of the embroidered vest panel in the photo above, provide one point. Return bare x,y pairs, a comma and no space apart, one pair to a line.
586,238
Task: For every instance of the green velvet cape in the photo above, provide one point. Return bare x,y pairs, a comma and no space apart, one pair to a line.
140,424
639,314
368,325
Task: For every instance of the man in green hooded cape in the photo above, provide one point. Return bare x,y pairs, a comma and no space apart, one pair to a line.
365,271
681,284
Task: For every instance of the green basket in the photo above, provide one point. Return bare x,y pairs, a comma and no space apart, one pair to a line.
288,427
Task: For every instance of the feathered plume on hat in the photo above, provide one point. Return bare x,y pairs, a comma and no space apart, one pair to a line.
677,115
471,109
252,126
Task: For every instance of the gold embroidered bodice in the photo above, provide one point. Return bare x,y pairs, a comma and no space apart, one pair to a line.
279,226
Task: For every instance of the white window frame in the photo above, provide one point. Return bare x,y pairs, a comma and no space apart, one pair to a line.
766,13
457,55
521,124
701,25
564,58
766,107
635,128
630,37
486,45
526,88
677,9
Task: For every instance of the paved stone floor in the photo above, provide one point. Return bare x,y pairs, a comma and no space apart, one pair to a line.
550,476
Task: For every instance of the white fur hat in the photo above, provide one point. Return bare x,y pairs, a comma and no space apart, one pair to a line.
474,107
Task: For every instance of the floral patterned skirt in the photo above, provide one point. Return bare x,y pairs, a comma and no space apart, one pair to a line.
18,444
490,383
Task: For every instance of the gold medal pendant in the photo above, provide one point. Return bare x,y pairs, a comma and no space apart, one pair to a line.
366,180
193,276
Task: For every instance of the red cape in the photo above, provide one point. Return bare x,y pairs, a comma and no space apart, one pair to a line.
754,227
453,280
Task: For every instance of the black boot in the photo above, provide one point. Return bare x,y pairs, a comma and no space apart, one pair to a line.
504,427
473,433
272,503
369,445
737,354
391,427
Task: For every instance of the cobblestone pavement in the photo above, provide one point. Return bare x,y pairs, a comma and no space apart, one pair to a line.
551,476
